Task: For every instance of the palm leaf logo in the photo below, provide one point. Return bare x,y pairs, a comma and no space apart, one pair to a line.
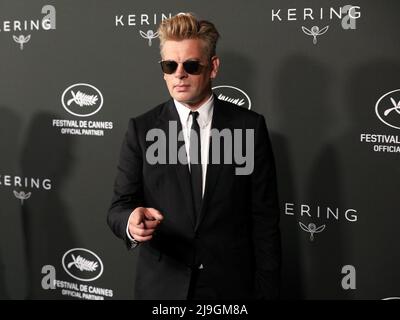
396,106
82,99
83,264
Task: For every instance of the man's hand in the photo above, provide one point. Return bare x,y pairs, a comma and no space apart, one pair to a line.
143,222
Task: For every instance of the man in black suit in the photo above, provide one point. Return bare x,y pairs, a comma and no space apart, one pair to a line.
207,227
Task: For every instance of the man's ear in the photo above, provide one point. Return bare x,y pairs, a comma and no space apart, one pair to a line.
214,67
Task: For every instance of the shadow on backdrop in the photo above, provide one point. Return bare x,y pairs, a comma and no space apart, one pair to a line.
238,71
308,175
47,224
12,252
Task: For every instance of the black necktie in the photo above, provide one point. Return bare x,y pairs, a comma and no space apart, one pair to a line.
195,164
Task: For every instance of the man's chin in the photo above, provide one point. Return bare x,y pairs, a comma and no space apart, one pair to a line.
183,96
185,99
189,100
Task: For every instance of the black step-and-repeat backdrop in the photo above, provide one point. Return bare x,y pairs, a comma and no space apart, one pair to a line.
325,74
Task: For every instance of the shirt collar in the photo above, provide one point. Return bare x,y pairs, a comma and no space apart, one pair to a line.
205,112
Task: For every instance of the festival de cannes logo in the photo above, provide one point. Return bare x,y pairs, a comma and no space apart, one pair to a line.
82,264
387,109
82,100
149,35
312,229
233,95
314,32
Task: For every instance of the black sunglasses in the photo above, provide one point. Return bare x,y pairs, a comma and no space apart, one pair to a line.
190,66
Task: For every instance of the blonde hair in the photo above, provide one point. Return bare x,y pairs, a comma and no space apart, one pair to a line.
186,26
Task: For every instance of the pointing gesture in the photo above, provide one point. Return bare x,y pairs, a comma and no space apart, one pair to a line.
143,222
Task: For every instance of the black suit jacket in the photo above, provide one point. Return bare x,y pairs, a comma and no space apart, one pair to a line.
236,238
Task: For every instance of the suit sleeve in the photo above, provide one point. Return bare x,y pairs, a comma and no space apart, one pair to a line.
128,185
265,216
